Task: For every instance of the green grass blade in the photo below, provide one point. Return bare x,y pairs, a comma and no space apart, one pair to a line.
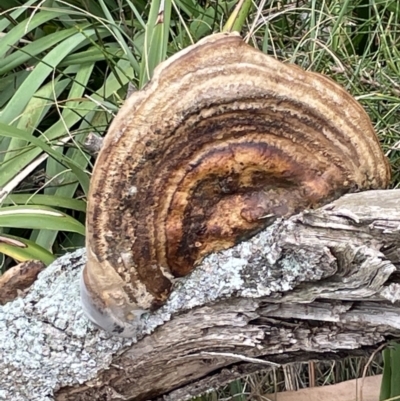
17,104
93,54
395,367
116,31
136,13
21,250
13,132
156,39
53,168
14,14
22,28
9,84
343,9
21,56
46,200
39,217
33,115
386,377
238,17
57,130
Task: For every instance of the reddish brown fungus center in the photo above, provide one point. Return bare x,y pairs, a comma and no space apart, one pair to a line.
231,192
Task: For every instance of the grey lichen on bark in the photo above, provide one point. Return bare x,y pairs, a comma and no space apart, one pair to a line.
335,266
44,343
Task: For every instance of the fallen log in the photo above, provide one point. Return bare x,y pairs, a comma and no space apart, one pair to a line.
321,283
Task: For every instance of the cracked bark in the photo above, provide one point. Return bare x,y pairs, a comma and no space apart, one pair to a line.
322,283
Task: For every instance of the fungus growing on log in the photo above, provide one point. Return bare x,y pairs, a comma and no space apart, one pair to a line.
221,141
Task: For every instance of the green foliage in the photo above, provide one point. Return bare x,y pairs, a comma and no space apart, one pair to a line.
390,387
65,68
22,249
156,39
38,217
64,71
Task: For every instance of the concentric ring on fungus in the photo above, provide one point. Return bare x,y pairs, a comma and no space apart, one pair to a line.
222,138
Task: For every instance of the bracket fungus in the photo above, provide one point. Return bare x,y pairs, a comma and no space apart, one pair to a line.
222,139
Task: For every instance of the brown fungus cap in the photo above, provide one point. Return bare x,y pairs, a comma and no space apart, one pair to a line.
223,139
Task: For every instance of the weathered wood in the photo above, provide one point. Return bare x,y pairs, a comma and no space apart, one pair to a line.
320,282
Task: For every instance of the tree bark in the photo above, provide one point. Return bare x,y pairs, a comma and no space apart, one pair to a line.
320,284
